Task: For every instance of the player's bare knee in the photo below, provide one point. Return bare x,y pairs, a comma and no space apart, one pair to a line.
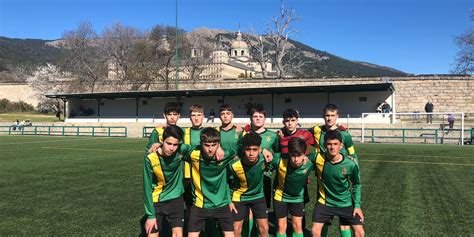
315,231
359,231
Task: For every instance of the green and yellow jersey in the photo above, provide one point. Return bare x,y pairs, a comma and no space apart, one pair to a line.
247,180
319,132
270,140
338,183
156,136
209,180
290,181
191,137
230,139
163,178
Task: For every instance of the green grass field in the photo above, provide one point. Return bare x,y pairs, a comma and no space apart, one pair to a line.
93,186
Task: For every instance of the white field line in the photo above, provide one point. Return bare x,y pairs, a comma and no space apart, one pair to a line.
415,162
427,156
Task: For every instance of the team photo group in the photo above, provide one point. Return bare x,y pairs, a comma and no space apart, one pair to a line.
224,181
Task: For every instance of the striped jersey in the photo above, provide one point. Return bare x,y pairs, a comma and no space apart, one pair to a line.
209,179
247,180
290,181
191,137
319,132
339,183
163,178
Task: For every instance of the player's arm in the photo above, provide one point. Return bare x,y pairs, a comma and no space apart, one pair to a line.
148,189
356,185
356,189
273,163
276,144
152,140
349,146
185,150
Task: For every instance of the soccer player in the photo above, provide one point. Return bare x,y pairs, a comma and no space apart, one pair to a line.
247,190
192,137
293,169
171,114
230,134
163,186
291,130
209,185
331,114
270,142
339,188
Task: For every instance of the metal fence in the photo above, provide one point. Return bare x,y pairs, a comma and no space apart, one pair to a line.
93,131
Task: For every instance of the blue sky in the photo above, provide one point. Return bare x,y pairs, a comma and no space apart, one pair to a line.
415,36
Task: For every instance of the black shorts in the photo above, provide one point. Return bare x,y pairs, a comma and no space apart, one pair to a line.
281,209
258,207
198,217
172,210
325,214
188,193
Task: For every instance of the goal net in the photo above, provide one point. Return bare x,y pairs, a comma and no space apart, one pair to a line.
436,128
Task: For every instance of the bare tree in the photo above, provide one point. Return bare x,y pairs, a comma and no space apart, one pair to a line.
464,63
260,48
83,58
164,40
279,32
128,53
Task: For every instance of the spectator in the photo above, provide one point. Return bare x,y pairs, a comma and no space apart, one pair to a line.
212,115
16,125
386,107
379,108
451,120
58,114
429,109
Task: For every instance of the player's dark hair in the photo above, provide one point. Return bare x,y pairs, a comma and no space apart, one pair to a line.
258,109
171,107
251,139
296,146
173,131
210,135
290,113
225,107
330,107
331,135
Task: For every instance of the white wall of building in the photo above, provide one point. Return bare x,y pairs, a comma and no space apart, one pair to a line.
310,105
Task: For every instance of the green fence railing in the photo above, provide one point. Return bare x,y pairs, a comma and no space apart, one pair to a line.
410,135
402,135
93,131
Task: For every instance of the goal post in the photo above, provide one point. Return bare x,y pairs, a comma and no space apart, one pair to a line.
416,124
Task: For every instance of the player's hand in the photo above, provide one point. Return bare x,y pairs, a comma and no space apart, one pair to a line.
341,127
155,147
358,211
267,155
220,154
149,224
280,133
305,160
232,208
247,128
238,128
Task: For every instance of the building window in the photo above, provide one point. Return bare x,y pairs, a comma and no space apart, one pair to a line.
287,100
362,98
242,53
235,52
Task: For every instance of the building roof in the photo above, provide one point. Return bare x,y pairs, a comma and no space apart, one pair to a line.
228,92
